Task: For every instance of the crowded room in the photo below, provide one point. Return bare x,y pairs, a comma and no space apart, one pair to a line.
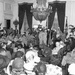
37,37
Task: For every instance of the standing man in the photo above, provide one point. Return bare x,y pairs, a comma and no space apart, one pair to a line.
43,37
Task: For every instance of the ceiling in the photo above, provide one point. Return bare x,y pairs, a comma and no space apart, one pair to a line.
32,1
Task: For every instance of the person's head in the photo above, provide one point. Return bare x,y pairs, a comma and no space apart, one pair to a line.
62,43
57,44
30,45
29,56
32,56
19,54
2,51
36,48
19,46
71,69
18,64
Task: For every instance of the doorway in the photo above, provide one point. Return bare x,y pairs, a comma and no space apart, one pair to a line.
7,23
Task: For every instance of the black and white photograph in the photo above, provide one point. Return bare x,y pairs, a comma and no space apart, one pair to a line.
37,37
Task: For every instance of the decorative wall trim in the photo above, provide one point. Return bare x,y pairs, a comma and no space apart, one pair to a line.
22,1
1,0
7,8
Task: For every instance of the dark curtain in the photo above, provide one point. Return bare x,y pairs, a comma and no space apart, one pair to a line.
51,16
29,15
22,8
21,16
61,15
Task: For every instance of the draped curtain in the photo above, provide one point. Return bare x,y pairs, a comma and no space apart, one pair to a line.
60,13
22,8
51,16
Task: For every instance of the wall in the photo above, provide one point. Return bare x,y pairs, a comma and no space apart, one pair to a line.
15,13
28,1
70,13
8,10
1,15
5,11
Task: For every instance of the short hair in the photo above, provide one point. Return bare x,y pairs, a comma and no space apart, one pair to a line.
19,54
2,49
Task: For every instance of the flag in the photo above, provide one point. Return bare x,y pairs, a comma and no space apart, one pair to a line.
25,24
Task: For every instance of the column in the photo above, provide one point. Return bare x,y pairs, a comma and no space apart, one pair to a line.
1,15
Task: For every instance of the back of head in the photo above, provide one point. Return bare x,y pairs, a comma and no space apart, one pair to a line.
2,51
41,67
18,63
71,69
3,62
19,54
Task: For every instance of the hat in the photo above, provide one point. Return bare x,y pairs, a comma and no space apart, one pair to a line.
18,63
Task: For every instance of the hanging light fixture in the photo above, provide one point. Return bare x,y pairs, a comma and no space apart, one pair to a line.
41,12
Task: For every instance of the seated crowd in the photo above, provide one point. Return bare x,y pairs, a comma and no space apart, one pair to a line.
37,53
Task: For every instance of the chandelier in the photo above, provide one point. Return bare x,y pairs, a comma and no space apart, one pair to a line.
41,12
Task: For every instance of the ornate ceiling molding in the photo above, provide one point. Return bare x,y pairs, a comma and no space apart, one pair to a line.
27,1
